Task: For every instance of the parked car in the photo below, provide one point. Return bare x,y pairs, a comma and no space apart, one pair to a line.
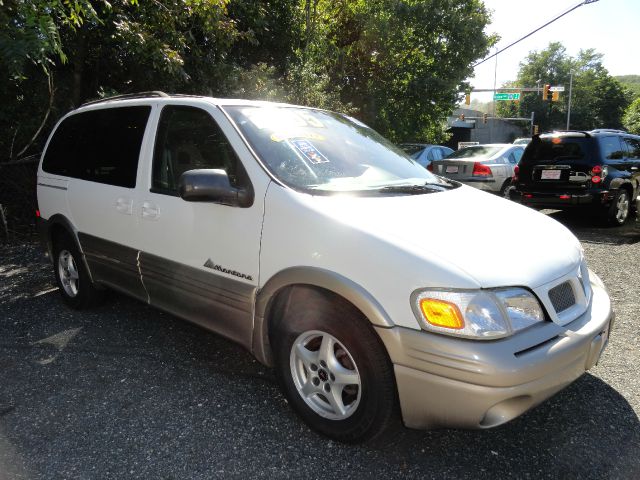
487,167
424,153
278,227
522,141
597,170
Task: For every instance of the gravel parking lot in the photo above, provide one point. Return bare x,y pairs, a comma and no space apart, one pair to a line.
126,391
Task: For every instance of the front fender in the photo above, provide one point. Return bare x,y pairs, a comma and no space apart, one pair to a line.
318,277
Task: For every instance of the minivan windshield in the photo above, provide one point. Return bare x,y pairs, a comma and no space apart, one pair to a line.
320,151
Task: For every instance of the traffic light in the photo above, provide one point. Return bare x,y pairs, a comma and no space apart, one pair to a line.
555,96
535,129
546,93
467,99
484,118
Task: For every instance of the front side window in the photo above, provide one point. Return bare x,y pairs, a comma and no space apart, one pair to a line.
188,138
323,152
101,146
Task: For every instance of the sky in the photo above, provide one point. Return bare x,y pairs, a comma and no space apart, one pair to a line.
611,27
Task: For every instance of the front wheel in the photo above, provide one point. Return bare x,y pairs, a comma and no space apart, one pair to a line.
333,368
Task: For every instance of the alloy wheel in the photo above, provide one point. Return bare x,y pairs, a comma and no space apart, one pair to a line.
622,207
68,273
325,375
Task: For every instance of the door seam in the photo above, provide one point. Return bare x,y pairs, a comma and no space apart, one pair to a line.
142,277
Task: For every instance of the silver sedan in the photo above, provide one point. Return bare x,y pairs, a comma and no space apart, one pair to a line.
487,167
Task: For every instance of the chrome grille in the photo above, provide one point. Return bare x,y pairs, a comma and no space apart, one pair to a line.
562,297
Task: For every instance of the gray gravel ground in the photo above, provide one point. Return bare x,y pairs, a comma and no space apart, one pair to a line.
125,391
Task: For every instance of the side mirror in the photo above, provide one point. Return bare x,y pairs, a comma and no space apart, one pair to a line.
206,185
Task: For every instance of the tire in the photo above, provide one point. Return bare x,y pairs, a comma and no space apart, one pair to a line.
327,351
505,191
71,275
618,212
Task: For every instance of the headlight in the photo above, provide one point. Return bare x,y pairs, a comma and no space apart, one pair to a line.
485,314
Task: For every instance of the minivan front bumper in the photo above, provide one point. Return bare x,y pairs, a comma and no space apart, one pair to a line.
449,382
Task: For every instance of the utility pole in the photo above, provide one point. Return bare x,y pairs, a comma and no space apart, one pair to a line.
569,104
495,76
533,116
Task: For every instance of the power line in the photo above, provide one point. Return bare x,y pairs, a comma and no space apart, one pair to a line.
585,2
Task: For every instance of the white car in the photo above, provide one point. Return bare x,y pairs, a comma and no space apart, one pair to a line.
365,280
488,167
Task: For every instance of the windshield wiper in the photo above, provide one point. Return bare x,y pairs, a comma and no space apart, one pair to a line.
413,189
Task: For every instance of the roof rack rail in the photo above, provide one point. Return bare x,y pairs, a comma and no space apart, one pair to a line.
154,93
583,132
607,130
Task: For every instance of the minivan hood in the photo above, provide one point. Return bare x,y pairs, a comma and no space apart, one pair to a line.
495,241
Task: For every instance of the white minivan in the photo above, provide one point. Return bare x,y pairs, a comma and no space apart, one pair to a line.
371,285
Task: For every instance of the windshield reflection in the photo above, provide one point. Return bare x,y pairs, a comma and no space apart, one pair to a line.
319,151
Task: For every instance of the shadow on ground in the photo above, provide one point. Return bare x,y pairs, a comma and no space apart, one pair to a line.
125,391
588,228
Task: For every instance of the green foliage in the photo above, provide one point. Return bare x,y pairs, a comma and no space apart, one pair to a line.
402,64
631,119
631,83
397,65
30,31
598,100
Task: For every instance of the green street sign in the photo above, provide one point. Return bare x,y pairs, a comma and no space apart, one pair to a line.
506,96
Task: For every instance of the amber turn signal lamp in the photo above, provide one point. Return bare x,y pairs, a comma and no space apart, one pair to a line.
441,314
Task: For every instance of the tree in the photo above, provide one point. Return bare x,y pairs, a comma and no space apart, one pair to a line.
30,44
401,65
598,100
631,119
82,50
631,83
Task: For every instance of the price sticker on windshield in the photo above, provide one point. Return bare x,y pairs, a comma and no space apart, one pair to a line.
308,151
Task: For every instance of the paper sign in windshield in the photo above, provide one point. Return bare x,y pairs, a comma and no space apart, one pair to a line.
308,151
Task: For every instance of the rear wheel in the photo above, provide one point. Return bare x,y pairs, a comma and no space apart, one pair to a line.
505,191
72,277
333,368
618,211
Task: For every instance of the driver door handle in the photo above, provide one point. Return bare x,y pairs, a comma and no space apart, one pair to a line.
124,205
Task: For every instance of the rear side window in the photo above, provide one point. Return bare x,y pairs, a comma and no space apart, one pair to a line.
100,146
633,146
556,149
516,155
611,148
435,154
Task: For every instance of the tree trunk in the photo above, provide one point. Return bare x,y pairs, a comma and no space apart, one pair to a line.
78,70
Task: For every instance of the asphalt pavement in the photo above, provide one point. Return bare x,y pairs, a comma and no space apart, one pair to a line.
126,391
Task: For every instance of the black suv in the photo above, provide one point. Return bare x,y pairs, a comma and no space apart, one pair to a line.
599,170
